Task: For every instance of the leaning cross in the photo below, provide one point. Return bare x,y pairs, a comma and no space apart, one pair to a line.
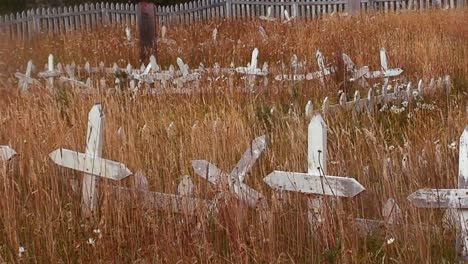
236,178
24,80
451,198
91,162
323,69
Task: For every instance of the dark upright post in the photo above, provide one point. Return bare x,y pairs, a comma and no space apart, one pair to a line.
147,30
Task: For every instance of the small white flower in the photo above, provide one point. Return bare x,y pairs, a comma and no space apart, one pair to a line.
390,241
91,241
453,145
391,147
97,231
404,103
21,250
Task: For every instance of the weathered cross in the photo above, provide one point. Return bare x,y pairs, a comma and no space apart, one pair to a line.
251,68
186,75
315,181
324,70
24,80
50,73
91,162
268,16
451,198
384,72
235,180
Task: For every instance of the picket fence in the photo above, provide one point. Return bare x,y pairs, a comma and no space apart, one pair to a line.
87,16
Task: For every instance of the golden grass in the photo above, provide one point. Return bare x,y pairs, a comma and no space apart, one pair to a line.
39,211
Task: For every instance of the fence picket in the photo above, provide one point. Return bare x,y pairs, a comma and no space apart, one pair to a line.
66,19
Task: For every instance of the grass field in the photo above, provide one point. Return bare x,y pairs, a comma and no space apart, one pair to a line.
40,213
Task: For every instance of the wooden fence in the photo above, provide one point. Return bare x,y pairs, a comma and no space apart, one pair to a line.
87,16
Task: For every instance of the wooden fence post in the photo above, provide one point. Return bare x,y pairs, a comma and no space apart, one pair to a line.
146,17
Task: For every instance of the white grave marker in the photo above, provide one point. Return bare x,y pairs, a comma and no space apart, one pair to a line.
235,179
316,180
24,80
385,72
451,198
91,162
268,16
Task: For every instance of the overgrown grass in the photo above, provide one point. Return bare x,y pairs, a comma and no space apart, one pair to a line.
40,212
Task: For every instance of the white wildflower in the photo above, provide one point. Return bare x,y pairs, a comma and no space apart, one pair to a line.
21,250
396,110
390,241
384,108
91,241
453,145
404,103
391,147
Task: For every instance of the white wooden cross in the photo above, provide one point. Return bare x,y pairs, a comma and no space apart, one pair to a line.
295,65
235,180
91,162
451,198
315,181
150,73
6,152
251,68
183,202
384,72
356,73
323,69
287,18
268,16
24,80
51,73
186,75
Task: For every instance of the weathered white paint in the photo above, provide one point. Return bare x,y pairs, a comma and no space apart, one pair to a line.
235,179
317,146
90,164
462,231
94,144
249,158
24,80
6,152
312,184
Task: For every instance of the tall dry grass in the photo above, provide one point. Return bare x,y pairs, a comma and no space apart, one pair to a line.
40,212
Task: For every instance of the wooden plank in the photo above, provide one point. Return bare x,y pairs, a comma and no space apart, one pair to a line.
462,231
94,142
440,198
317,147
6,152
306,183
214,175
249,158
90,164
